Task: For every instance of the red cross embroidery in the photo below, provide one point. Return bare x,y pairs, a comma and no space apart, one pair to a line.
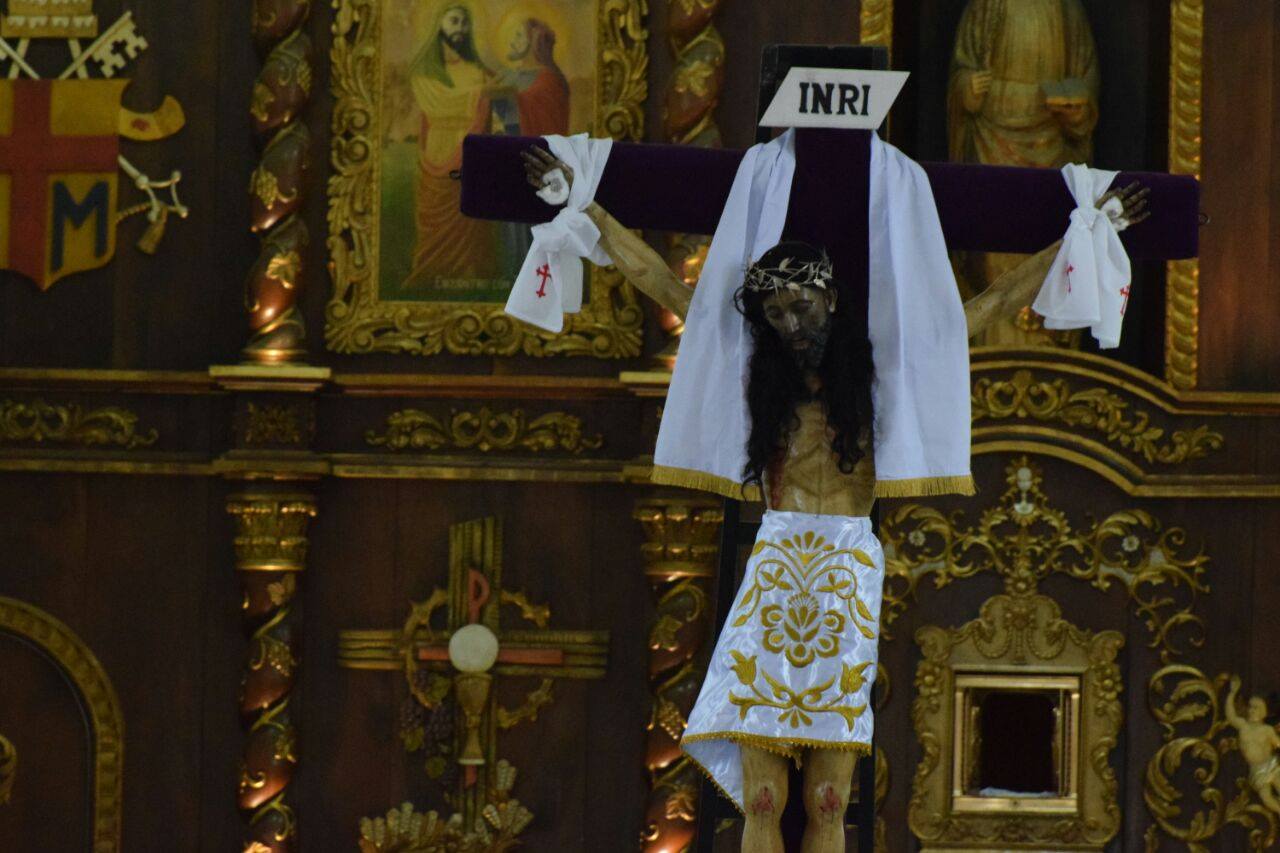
1124,291
543,272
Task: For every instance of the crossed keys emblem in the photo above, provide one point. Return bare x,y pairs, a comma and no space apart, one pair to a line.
59,142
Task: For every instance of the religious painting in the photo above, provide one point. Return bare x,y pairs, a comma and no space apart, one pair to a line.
1042,83
412,274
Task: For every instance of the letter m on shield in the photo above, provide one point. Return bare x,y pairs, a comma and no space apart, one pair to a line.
58,176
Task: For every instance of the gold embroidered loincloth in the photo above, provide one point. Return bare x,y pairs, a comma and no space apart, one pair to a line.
794,666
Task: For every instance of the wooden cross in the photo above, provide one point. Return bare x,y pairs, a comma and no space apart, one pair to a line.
473,602
682,188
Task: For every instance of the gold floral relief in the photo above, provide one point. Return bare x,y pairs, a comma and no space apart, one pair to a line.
1203,731
485,431
358,319
43,422
405,830
1096,410
1023,538
273,424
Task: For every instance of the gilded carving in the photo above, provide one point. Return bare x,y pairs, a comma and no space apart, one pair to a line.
357,321
271,424
43,422
99,699
405,830
8,768
1024,539
1093,409
1202,729
271,549
1182,288
680,554
485,431
451,714
271,531
1021,632
876,23
277,185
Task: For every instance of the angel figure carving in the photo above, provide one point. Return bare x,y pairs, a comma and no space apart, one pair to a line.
1259,743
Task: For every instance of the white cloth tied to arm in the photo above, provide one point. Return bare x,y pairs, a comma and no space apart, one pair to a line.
549,284
1088,284
920,348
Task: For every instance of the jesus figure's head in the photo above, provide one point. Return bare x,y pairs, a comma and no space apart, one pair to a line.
807,345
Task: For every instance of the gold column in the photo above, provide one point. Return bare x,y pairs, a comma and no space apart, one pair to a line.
271,551
277,185
680,562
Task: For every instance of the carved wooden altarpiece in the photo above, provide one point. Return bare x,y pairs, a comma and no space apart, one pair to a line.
453,713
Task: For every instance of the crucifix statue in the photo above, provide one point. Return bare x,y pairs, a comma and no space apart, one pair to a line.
824,364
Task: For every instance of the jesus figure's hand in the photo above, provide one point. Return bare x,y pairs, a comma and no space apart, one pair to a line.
539,163
1133,199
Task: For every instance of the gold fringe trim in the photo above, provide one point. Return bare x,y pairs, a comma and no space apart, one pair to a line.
924,487
791,748
705,772
686,478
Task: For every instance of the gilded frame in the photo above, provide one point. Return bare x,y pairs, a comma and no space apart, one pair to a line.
1186,52
1018,639
99,698
356,319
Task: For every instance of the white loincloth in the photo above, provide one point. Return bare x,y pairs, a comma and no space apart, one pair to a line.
794,666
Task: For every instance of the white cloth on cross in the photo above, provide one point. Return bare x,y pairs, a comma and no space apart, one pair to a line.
549,284
1088,284
916,325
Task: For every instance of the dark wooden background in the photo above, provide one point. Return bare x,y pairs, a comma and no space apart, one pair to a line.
140,566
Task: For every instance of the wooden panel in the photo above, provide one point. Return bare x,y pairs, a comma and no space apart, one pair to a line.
124,562
380,545
41,715
1239,314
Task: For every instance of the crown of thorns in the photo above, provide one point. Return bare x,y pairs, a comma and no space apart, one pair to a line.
790,274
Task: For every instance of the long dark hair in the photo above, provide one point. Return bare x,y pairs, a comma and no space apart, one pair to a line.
776,381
